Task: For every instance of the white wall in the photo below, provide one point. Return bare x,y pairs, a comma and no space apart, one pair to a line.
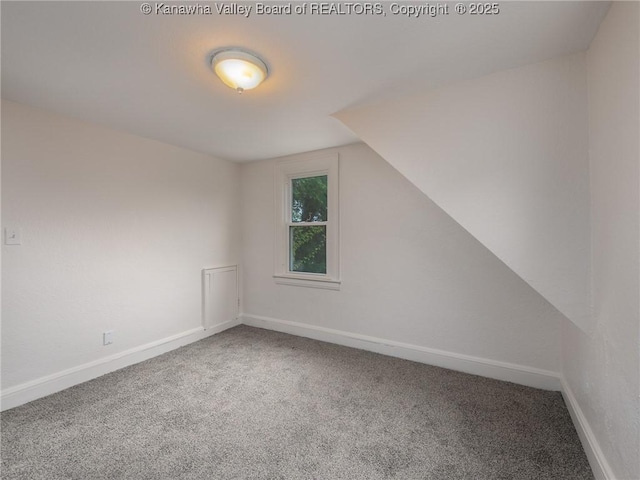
602,369
410,273
506,156
116,229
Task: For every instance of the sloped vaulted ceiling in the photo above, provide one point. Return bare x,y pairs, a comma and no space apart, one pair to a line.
108,63
505,156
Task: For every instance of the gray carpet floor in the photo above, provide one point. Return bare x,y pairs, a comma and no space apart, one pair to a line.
253,404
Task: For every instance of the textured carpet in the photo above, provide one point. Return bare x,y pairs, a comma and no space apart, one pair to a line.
253,404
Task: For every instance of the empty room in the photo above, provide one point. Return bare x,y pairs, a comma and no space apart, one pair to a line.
320,240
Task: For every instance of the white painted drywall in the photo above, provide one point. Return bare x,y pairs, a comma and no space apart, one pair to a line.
409,272
506,156
602,369
116,230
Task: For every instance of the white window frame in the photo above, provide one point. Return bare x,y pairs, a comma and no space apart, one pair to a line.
285,172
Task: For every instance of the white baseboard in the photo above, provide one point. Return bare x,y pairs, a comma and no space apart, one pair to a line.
532,377
509,372
43,386
597,460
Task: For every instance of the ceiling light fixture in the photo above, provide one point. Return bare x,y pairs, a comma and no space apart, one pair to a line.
239,69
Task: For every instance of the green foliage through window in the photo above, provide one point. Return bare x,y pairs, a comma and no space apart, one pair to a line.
309,249
309,199
308,243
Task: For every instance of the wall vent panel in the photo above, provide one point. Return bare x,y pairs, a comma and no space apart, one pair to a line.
219,295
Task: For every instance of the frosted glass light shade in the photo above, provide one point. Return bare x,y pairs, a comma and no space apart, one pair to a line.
238,69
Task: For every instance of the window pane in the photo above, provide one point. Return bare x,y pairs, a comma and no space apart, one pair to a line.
308,252
309,199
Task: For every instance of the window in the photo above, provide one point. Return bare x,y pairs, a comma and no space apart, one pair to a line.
307,222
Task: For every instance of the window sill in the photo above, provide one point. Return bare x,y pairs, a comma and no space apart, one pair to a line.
323,283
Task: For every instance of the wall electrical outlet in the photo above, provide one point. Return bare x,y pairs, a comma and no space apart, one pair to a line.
107,338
